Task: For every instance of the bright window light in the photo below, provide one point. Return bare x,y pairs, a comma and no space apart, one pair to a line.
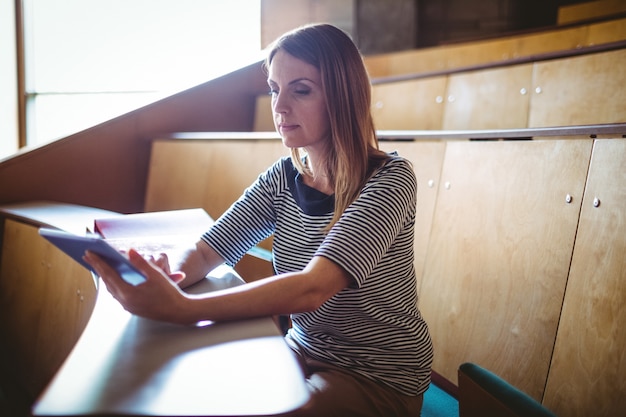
91,60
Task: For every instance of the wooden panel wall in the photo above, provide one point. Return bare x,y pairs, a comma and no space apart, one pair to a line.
46,300
499,255
583,90
209,174
589,362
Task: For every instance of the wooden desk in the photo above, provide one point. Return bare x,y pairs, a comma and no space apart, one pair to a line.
69,217
124,364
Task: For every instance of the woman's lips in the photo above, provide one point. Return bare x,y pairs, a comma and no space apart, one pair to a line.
286,127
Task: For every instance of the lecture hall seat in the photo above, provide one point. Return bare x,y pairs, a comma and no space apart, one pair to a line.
484,394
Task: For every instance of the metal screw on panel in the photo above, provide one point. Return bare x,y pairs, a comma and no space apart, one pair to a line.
568,198
451,99
596,202
438,99
538,90
431,183
447,185
523,91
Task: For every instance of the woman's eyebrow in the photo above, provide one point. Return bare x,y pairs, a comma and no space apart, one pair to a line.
297,80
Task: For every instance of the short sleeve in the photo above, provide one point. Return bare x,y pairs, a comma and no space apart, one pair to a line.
371,225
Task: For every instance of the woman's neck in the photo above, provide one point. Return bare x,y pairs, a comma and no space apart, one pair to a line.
317,177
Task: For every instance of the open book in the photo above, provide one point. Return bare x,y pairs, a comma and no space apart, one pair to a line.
170,232
152,233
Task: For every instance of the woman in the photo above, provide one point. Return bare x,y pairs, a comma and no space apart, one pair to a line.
342,216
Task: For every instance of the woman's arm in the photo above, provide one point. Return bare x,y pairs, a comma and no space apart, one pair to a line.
193,262
196,263
159,297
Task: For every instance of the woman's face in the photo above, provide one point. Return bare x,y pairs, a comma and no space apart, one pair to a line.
298,103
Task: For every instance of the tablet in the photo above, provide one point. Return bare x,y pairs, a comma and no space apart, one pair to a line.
76,246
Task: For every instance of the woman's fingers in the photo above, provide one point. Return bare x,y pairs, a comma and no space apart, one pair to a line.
177,276
145,266
162,262
159,265
113,282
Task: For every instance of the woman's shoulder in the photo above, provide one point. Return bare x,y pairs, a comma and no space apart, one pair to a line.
397,163
395,171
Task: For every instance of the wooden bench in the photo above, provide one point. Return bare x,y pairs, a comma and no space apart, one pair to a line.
487,51
579,90
586,89
589,10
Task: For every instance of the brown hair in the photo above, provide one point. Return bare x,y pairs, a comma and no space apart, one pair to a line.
354,153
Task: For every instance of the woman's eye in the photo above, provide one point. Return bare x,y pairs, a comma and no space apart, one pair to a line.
301,92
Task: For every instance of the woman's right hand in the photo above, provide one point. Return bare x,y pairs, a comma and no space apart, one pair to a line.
157,298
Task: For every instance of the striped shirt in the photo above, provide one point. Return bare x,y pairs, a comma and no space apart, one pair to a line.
373,327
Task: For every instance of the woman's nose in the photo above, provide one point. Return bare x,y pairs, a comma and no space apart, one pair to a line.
279,103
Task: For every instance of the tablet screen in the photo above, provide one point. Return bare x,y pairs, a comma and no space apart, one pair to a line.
76,246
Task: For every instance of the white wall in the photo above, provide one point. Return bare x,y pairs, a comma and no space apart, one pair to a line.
8,80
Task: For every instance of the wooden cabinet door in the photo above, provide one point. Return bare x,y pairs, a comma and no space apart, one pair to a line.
588,371
409,105
488,99
46,300
499,254
587,89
